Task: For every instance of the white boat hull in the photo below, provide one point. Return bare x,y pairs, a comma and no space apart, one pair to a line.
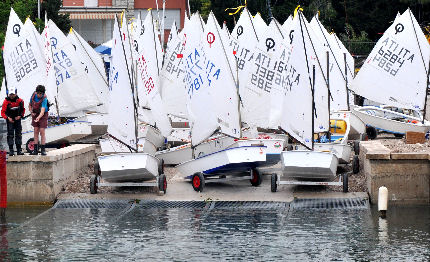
274,148
63,133
231,160
309,165
128,167
98,122
150,133
110,145
381,119
342,151
180,154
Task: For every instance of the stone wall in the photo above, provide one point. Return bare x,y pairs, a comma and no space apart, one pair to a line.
406,175
39,179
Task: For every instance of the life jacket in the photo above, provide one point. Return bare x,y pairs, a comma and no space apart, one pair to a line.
37,106
14,107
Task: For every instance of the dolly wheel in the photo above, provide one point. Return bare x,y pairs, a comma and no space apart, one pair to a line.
371,132
198,181
355,164
162,183
274,183
345,182
357,147
97,171
256,177
93,184
29,146
161,167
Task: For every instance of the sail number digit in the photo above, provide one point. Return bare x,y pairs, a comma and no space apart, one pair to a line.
22,60
391,57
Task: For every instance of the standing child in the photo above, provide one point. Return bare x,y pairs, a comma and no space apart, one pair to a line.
13,110
39,113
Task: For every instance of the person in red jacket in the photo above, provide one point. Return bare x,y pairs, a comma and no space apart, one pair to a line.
13,110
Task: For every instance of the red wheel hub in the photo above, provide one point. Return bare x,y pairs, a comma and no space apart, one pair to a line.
196,181
254,177
31,145
165,184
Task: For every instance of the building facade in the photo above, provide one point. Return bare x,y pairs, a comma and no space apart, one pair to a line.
93,19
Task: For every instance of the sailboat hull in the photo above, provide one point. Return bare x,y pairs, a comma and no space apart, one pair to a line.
128,167
342,151
67,132
98,122
309,165
152,134
110,145
275,144
231,160
390,121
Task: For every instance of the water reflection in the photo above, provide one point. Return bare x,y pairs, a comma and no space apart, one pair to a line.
153,234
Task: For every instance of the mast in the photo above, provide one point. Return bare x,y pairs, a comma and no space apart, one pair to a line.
346,81
313,104
328,100
425,97
132,89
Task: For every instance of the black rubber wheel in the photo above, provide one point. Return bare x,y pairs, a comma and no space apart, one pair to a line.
399,135
289,147
355,165
256,177
162,183
161,167
93,184
345,182
29,146
274,183
97,171
357,147
371,132
198,182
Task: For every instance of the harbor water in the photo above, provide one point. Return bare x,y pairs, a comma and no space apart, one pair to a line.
134,232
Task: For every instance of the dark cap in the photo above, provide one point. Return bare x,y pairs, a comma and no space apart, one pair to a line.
40,89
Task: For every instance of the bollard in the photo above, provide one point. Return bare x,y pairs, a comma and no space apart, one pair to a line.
383,201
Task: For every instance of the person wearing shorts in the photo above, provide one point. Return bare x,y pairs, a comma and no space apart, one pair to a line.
38,107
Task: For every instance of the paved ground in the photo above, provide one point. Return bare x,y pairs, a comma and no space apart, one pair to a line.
179,189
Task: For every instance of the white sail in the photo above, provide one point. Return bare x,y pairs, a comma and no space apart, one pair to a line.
243,41
148,68
121,120
219,79
267,70
172,35
91,63
172,76
395,72
288,24
23,61
260,25
128,45
297,117
29,26
74,90
200,106
51,82
317,56
337,78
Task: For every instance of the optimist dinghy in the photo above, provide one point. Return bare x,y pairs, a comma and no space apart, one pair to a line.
213,104
395,74
298,100
125,169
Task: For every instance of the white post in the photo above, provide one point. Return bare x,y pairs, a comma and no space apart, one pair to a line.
383,201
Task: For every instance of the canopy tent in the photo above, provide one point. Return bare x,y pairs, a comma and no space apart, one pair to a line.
105,48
